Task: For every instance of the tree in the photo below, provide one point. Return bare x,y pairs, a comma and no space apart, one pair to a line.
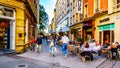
43,20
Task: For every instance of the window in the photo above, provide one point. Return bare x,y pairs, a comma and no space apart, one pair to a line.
96,6
118,3
6,11
86,10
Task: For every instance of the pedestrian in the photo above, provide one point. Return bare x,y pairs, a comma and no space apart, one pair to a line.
65,42
32,43
51,46
39,43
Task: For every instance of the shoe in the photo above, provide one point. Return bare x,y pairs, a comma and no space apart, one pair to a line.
65,56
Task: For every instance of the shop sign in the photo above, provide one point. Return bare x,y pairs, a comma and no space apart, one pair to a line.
107,27
89,30
87,24
79,6
104,20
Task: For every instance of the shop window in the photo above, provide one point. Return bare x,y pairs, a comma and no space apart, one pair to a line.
106,35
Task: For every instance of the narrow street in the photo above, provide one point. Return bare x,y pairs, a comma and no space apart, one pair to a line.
71,61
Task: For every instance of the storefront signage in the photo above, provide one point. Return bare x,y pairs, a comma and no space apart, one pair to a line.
89,30
79,6
107,27
103,20
87,24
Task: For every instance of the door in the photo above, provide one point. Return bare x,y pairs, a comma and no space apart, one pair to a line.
106,36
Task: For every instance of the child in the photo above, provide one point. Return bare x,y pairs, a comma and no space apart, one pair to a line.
51,47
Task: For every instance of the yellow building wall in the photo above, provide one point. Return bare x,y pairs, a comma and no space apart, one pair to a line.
19,20
114,18
20,41
97,23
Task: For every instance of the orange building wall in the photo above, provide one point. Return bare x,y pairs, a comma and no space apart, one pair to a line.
104,5
90,8
85,1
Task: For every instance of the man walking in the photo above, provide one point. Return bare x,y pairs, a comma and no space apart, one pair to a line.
39,43
65,42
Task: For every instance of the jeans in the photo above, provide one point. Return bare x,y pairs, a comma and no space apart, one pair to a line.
64,48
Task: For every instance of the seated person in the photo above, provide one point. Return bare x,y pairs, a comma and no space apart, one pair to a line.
97,48
106,45
113,49
118,46
86,52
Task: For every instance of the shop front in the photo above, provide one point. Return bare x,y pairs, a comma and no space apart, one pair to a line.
76,32
7,28
106,32
88,31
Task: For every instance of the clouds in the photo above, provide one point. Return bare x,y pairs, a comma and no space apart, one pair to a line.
49,6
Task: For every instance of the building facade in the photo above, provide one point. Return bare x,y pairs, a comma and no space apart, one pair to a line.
92,19
62,16
18,23
76,17
108,24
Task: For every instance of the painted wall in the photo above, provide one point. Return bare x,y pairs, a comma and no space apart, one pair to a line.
19,8
104,5
113,18
90,8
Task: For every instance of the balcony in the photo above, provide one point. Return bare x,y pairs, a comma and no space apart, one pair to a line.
116,7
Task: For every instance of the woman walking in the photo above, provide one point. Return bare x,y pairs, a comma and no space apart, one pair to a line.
51,46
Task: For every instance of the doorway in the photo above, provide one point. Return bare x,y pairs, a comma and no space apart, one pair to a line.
106,35
6,34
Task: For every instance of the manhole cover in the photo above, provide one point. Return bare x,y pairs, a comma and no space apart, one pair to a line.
21,66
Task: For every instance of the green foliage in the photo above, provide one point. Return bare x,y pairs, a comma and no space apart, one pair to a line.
79,39
43,18
73,31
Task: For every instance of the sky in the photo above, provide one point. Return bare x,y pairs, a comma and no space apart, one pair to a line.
49,6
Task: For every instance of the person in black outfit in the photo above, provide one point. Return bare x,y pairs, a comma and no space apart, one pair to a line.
39,43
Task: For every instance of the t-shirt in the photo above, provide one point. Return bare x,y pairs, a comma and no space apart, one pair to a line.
87,49
65,39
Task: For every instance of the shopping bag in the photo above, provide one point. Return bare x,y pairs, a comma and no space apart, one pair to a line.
55,49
